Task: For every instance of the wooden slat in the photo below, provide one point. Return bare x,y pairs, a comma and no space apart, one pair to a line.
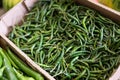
15,15
28,3
25,58
11,18
106,11
116,75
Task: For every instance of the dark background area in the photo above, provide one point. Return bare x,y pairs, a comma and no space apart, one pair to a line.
2,11
0,3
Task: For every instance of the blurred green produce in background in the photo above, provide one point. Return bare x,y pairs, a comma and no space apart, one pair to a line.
8,4
114,4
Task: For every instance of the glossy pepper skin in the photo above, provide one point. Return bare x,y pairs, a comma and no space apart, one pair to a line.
10,74
24,68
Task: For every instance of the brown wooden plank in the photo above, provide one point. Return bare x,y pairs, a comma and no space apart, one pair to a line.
116,75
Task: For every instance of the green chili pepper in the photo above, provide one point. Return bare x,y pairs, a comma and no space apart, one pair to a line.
1,71
24,67
67,40
21,77
1,60
8,68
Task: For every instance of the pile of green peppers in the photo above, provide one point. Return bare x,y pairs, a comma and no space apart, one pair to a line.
12,68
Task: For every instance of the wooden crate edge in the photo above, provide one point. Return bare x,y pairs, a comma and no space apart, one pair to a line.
8,21
104,10
110,13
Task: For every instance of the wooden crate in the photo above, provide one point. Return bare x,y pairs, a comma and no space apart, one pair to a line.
7,21
104,10
107,12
